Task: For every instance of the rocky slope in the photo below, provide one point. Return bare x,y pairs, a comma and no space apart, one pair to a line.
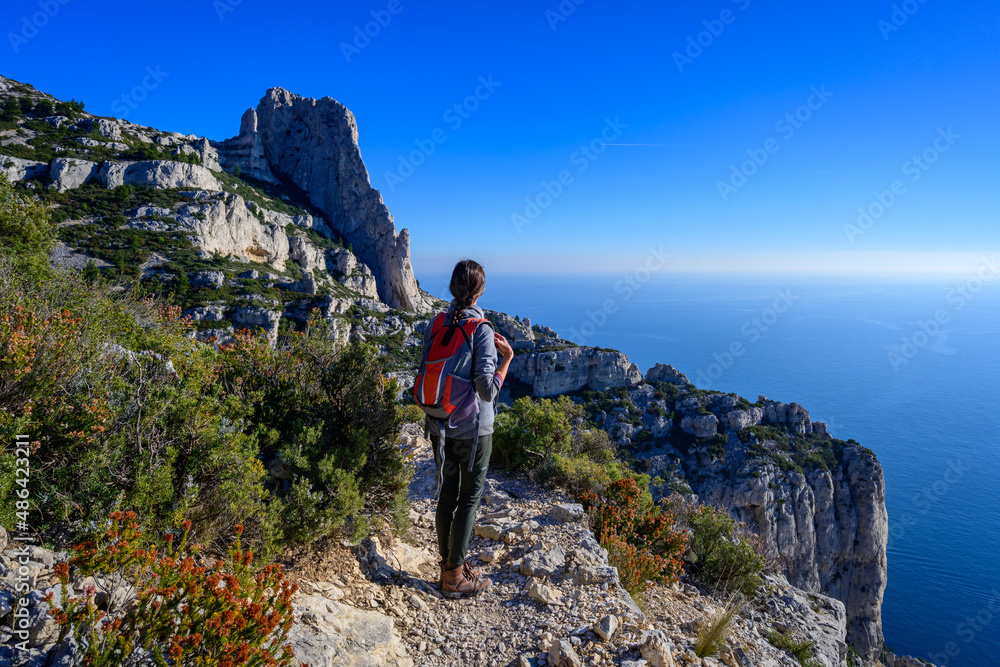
555,601
285,213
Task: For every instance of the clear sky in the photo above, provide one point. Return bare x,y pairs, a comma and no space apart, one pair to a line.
730,134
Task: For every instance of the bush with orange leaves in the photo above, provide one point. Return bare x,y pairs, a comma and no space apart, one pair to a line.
173,606
640,537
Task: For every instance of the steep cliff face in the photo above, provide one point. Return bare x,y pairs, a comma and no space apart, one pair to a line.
830,527
314,145
817,501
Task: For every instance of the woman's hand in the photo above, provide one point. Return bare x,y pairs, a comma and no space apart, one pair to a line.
505,350
503,347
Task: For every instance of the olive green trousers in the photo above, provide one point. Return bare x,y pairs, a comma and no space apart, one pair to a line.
459,496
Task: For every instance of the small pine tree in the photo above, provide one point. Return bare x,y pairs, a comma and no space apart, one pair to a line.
44,108
91,273
182,285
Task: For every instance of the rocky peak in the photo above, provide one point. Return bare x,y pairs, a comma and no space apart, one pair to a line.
313,145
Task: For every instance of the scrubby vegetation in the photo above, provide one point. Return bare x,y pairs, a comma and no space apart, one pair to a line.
126,413
802,650
725,554
640,538
792,452
180,607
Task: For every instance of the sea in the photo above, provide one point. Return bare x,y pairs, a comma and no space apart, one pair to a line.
908,366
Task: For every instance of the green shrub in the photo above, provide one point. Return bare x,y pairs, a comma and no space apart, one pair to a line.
723,553
532,430
801,650
410,413
26,234
328,414
111,428
580,474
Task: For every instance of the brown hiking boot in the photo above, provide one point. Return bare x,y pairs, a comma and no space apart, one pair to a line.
477,571
462,580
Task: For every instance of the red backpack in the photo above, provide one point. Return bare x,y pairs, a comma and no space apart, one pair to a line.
444,386
442,389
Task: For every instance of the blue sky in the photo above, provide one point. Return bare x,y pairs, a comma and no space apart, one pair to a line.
723,177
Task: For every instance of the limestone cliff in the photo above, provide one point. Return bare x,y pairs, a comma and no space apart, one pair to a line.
313,144
817,501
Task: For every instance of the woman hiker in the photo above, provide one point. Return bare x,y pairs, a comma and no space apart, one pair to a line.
459,485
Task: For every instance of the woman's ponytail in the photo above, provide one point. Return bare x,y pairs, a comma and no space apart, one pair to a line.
468,281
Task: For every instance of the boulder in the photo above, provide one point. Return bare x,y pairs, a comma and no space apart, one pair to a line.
213,279
330,634
18,169
700,426
562,654
543,563
566,512
737,420
667,373
257,317
105,127
607,627
544,594
70,173
655,649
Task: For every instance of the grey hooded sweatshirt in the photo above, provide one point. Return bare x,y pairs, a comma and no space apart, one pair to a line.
487,384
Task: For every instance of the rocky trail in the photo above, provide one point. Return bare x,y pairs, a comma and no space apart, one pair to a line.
554,599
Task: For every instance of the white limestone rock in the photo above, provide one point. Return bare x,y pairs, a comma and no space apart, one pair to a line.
573,368
667,373
314,144
225,224
158,174
831,529
71,173
700,426
19,169
330,634
258,317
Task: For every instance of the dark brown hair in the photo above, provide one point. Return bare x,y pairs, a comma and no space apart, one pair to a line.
468,281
